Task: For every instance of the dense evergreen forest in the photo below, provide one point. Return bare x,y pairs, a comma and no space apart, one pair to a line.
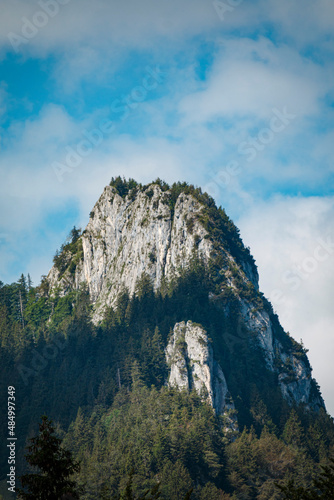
105,388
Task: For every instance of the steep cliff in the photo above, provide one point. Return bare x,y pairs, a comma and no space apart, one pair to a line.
158,231
292,366
192,365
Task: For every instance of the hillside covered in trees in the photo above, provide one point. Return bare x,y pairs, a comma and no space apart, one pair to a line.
94,359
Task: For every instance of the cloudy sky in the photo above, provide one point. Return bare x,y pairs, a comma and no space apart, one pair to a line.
235,96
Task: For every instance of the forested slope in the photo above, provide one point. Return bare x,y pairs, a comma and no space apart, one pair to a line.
105,382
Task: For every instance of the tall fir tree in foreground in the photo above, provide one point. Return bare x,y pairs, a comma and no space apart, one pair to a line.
55,467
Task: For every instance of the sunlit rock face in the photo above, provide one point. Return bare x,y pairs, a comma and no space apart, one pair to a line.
127,237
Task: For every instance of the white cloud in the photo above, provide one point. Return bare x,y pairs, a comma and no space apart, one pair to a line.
90,37
251,78
105,22
26,164
308,23
130,23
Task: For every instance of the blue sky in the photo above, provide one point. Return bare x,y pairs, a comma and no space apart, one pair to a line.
234,96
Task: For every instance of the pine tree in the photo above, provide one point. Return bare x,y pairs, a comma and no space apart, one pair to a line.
29,283
74,234
293,432
176,481
5,340
52,480
325,483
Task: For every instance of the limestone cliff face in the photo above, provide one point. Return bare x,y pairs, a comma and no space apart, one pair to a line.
129,236
295,380
190,359
259,322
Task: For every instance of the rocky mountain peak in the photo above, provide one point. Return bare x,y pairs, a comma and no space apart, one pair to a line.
150,229
158,231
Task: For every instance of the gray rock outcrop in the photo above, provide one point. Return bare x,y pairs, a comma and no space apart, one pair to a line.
190,359
294,372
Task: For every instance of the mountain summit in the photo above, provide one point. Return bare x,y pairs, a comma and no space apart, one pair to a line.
159,232
154,230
